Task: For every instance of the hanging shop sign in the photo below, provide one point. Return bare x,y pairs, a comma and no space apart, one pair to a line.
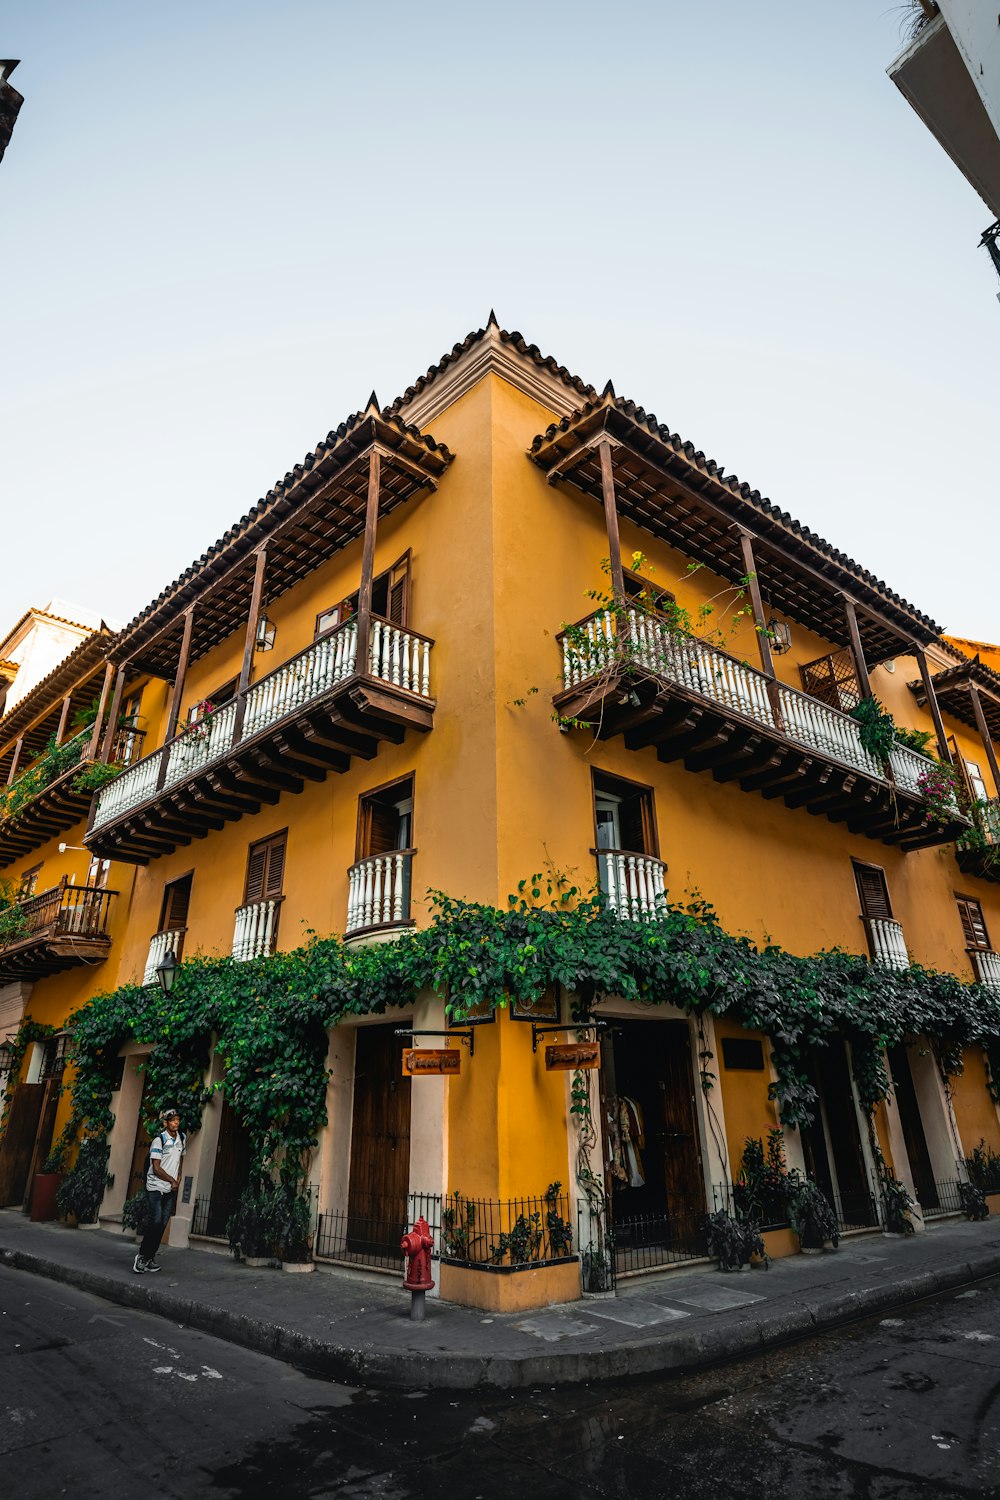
568,1056
418,1061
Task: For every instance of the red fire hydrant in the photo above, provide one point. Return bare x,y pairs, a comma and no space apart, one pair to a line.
417,1247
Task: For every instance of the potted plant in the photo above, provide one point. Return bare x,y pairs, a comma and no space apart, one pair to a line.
46,1185
734,1241
81,1194
973,1201
292,1237
252,1227
812,1216
135,1215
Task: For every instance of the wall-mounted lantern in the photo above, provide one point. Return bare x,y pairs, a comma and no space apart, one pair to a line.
780,635
266,632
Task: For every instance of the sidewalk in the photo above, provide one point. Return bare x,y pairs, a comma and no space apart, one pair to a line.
356,1327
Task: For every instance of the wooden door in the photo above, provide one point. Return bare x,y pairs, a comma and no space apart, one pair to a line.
682,1168
19,1142
913,1127
232,1170
380,1144
43,1135
140,1146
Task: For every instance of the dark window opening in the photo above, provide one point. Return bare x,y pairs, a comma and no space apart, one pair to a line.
624,816
390,599
743,1052
385,819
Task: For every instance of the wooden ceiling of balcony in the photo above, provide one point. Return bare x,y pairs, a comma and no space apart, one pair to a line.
951,687
37,716
668,489
317,509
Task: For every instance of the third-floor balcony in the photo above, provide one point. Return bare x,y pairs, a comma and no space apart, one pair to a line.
309,716
979,850
629,673
60,928
43,801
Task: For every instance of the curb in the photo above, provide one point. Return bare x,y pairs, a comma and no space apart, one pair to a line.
674,1354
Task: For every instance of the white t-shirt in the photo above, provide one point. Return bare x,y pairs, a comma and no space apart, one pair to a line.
168,1150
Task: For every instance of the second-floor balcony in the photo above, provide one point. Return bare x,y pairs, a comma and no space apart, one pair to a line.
42,802
61,928
309,716
379,892
979,850
160,944
886,942
629,673
987,966
256,931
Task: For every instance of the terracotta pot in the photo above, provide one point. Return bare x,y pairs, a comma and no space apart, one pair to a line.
43,1196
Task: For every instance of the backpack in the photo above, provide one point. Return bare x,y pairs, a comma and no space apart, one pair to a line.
149,1153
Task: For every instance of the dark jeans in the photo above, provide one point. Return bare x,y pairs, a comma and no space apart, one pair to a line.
161,1206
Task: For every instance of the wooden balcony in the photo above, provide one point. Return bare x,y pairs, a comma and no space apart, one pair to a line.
308,717
379,892
60,928
51,810
634,676
633,885
980,853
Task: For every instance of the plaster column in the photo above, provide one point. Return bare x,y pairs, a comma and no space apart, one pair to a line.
900,1156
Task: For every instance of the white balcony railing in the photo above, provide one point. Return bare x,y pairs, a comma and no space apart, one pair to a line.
593,645
397,656
160,944
632,884
888,945
987,967
379,891
256,929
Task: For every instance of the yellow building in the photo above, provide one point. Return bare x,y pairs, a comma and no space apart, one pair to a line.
511,625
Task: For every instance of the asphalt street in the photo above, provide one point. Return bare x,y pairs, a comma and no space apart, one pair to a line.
98,1400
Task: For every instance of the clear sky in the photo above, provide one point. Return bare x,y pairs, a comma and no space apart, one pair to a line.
224,223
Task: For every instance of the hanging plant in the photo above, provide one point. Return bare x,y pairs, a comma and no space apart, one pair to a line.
876,729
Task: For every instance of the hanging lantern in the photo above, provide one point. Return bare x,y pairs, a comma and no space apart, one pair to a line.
266,631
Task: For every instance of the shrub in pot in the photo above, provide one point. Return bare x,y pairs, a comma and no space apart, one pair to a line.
734,1241
812,1216
83,1190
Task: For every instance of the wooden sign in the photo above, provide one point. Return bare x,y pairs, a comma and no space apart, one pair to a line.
564,1056
433,1060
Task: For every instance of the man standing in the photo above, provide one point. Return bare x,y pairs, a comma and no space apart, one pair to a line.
166,1153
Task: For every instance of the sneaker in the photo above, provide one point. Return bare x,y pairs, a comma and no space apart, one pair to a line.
139,1265
150,1265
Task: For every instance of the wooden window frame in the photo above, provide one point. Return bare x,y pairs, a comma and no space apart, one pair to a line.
973,947
167,884
28,883
193,716
647,586
862,864
363,823
635,788
273,839
404,561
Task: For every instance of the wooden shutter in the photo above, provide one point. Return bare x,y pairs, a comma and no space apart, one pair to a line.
176,900
873,892
265,869
399,590
973,922
833,680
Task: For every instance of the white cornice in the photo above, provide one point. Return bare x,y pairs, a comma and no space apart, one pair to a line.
491,356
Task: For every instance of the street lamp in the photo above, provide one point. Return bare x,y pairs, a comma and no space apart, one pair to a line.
166,971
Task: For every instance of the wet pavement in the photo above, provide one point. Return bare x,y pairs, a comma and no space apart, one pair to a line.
97,1399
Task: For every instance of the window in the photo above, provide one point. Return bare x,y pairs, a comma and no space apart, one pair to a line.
624,816
973,923
220,695
647,592
743,1053
385,819
976,783
873,891
175,904
833,680
97,875
390,599
29,882
265,869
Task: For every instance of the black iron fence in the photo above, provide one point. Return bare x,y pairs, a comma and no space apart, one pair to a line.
368,1233
949,1200
211,1216
510,1233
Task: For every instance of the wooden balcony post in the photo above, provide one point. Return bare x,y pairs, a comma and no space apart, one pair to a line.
249,645
944,749
760,623
115,710
368,562
95,737
857,650
984,735
611,520
63,716
14,763
177,694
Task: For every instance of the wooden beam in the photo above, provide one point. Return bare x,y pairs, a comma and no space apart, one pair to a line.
368,561
95,738
63,716
249,644
17,756
984,735
944,749
857,650
177,694
611,519
760,624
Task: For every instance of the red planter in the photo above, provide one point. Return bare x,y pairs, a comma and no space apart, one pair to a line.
43,1196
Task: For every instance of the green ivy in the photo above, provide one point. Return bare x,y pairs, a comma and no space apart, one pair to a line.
53,761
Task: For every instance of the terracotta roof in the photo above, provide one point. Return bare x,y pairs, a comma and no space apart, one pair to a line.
951,688
664,455
329,464
516,341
